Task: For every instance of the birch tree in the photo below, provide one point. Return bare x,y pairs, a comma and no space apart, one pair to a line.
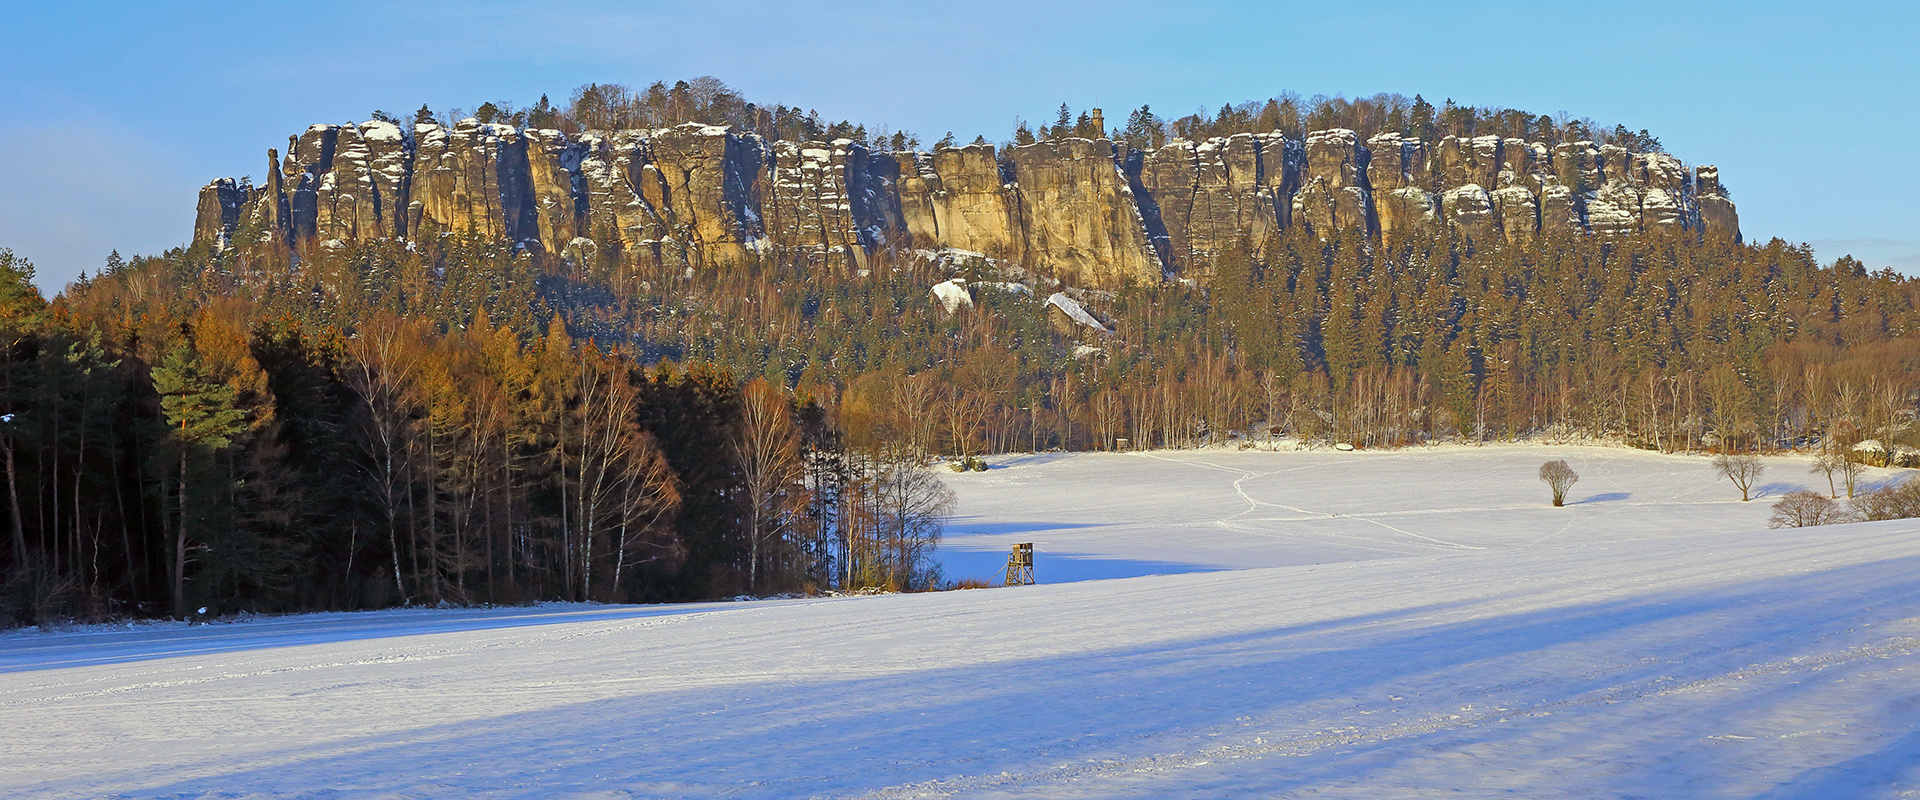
767,444
201,420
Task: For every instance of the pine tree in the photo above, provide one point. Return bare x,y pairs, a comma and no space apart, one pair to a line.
22,313
201,419
1420,124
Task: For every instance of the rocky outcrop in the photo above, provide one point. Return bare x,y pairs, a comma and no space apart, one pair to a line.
811,203
1077,216
1206,198
470,178
1397,172
1715,209
1084,211
364,193
1334,192
966,195
1470,208
222,203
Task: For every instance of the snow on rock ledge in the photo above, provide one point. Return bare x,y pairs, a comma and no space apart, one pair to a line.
1075,312
952,295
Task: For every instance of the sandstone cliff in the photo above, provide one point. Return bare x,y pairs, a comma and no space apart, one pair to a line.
1084,211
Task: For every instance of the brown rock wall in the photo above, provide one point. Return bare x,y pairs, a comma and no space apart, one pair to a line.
1076,209
972,208
1078,217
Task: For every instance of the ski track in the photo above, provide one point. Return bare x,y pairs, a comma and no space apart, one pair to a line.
1254,504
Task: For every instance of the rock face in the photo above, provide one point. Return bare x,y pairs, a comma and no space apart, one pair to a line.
1334,192
1715,209
1077,216
221,204
1203,199
1397,171
1084,211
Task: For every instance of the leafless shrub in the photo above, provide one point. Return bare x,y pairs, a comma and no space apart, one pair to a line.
1892,502
1559,477
1806,509
37,594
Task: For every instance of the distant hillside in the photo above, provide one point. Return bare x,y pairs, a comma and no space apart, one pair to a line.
496,361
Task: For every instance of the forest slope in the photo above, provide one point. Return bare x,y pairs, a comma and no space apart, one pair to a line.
421,348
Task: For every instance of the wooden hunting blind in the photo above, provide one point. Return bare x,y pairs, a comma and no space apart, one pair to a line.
1020,565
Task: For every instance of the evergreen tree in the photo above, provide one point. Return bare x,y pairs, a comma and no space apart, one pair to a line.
22,313
1421,123
201,419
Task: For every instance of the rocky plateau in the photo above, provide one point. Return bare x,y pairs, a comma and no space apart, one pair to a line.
1088,212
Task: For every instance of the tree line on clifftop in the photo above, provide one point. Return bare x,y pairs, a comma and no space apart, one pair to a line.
710,101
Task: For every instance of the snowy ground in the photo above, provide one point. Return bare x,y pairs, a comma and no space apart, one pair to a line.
1121,515
1443,635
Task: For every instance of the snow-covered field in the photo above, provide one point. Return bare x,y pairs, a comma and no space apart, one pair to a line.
1346,625
1121,515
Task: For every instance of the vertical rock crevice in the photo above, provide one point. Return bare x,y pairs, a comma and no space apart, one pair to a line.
1085,211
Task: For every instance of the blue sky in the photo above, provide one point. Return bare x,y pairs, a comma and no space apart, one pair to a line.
119,112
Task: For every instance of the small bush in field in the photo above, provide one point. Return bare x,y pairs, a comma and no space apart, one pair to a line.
1806,509
1559,477
969,583
1893,502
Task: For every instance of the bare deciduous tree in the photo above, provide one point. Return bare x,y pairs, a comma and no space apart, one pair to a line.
613,471
385,369
1743,470
1806,509
900,511
1559,477
1827,462
1849,470
768,446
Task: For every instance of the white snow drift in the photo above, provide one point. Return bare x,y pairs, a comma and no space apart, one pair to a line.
1410,624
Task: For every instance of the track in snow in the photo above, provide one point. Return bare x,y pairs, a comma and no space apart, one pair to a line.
1338,626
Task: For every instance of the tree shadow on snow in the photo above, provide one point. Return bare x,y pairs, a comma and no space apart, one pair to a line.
1052,567
1881,773
960,527
977,721
1603,498
147,643
1889,482
1778,489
